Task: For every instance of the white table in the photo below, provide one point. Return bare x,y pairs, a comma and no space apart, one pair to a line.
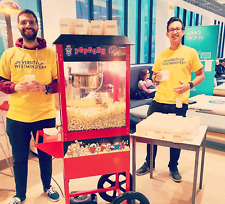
140,111
199,141
208,104
219,90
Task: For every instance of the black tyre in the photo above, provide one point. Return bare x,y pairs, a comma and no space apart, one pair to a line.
131,196
109,180
88,198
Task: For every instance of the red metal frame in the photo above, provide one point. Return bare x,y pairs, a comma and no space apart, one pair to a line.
91,165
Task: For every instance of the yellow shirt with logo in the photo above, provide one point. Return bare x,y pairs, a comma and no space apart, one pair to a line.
179,64
30,106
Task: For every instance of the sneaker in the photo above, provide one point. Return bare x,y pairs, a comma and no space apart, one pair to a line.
176,175
52,194
144,169
15,200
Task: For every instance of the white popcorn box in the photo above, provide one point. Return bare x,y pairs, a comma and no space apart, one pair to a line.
168,132
178,135
81,26
190,131
168,126
140,130
97,27
158,133
178,125
110,27
150,132
89,29
66,26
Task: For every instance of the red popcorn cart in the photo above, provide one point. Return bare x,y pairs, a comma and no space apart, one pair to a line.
94,78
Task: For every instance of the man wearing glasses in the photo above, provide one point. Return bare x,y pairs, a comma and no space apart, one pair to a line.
32,105
172,73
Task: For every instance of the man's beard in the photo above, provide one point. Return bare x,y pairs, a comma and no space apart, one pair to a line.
29,37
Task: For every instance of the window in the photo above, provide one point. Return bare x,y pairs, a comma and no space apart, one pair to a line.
8,22
82,9
100,10
132,28
145,23
221,38
118,14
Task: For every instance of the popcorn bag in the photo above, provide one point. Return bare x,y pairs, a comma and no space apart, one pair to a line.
110,27
81,26
89,29
97,27
66,26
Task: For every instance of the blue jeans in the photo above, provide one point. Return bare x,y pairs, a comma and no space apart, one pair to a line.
19,134
166,108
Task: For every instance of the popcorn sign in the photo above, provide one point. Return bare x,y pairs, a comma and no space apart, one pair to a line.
84,50
90,50
92,53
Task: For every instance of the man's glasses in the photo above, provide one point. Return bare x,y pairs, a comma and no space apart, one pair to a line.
24,23
172,30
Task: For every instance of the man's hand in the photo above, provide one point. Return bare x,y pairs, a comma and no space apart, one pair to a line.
156,78
36,86
22,87
182,88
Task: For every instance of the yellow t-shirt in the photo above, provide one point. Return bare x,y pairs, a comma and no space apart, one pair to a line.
179,64
30,106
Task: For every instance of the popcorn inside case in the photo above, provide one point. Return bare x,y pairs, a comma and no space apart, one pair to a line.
94,85
95,95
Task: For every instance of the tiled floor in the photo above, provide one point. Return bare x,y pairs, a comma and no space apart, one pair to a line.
159,190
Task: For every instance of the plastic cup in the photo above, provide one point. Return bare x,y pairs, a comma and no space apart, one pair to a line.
165,75
29,78
179,102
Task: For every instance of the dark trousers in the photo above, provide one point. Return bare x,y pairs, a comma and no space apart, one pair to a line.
166,108
19,134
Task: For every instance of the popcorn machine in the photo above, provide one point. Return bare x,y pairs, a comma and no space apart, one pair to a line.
94,78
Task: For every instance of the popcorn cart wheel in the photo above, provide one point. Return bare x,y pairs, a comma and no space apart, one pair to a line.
107,180
87,198
131,196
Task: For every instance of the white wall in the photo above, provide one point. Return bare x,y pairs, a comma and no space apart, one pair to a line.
163,13
52,11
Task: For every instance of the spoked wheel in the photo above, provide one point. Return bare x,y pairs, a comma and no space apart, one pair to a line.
109,180
131,197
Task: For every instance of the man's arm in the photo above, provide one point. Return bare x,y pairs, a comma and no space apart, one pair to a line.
200,76
54,86
6,86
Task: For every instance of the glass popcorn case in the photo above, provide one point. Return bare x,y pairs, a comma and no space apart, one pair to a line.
94,85
95,95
